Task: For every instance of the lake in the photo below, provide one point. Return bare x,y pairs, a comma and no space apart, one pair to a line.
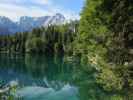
42,77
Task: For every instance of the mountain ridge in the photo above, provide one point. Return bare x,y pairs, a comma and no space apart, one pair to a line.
26,23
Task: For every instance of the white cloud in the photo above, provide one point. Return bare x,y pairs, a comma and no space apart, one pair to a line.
42,2
66,12
14,11
9,8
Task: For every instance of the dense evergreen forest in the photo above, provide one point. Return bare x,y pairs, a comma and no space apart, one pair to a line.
49,40
102,38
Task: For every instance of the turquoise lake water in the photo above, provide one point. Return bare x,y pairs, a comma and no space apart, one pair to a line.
50,78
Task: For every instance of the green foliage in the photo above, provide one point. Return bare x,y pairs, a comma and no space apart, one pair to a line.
35,45
109,80
116,97
51,39
92,37
105,40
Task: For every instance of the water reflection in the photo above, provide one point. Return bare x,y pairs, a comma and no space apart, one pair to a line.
34,66
42,77
39,72
65,93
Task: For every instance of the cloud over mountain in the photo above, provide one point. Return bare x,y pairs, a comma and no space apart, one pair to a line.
14,9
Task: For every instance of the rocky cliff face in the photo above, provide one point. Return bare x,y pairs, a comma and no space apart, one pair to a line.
26,23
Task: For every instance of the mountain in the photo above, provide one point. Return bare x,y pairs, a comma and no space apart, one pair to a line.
26,23
7,26
57,19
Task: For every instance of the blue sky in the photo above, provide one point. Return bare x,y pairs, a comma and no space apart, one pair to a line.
14,9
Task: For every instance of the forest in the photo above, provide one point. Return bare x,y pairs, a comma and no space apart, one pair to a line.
49,40
103,38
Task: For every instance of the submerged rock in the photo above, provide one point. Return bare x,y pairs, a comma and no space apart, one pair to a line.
41,93
7,87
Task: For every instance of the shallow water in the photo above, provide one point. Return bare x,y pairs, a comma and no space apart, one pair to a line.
50,78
